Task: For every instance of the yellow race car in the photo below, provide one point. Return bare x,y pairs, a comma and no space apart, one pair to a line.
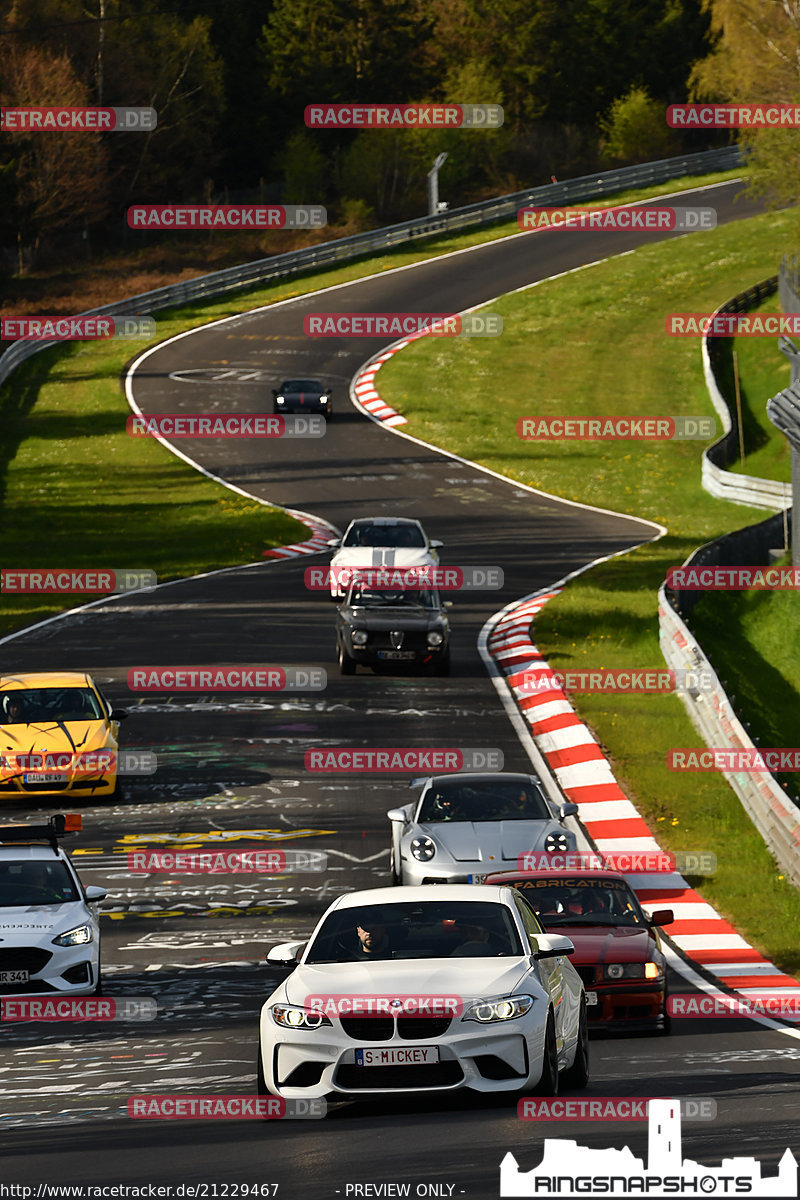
58,734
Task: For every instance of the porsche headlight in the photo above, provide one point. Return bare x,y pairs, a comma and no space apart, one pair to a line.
75,937
502,1008
423,849
280,399
434,638
359,637
323,399
557,841
297,1018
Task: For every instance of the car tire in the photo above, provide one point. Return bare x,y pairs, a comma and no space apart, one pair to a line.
443,665
97,990
396,880
347,665
548,1084
577,1076
261,1083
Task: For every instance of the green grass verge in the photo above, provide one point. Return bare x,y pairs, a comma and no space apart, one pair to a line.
593,343
75,491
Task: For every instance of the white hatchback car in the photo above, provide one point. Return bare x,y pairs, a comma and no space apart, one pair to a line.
49,930
379,542
416,989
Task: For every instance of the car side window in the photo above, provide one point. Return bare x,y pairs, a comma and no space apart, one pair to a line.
529,920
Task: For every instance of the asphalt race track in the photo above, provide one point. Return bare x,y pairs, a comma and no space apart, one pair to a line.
231,772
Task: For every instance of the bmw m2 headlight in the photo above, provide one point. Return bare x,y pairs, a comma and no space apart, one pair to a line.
297,1018
557,841
423,849
75,937
434,638
359,637
503,1008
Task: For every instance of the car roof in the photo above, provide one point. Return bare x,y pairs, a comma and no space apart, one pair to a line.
14,851
504,877
384,521
422,892
41,679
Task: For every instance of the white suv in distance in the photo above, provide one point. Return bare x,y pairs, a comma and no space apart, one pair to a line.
49,929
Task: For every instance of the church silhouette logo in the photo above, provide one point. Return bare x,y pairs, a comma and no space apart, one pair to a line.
568,1169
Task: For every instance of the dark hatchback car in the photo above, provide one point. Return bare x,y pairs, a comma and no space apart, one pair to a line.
302,396
618,952
377,628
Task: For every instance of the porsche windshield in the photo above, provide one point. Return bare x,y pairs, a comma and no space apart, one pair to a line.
407,537
302,385
576,901
22,707
428,929
35,881
484,801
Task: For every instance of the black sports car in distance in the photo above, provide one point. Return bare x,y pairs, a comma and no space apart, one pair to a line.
379,628
302,396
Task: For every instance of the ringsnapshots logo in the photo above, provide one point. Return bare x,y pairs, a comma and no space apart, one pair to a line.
402,324
733,579
615,429
402,760
722,1004
226,425
36,118
733,116
78,1008
177,1107
75,329
227,216
404,116
227,679
609,1108
539,681
404,579
59,766
247,860
619,219
729,324
536,863
746,760
23,581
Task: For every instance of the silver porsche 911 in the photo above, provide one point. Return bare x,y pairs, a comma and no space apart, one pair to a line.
464,826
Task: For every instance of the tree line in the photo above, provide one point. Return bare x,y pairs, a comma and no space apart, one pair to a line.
583,83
